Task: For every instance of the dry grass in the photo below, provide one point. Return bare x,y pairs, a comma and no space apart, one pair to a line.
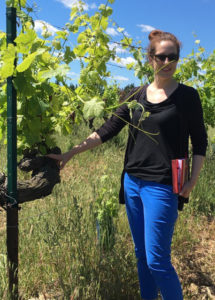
54,266
194,261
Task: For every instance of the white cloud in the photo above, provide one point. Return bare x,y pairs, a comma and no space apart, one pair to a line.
146,28
69,3
126,33
59,54
123,61
120,78
118,48
73,74
127,60
73,3
40,24
112,31
93,6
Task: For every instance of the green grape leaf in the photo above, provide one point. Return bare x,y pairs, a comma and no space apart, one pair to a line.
34,125
26,89
44,106
46,57
126,42
16,3
23,3
69,55
67,128
81,49
47,88
33,105
104,23
105,10
101,68
82,37
8,58
61,70
133,104
130,66
120,29
25,41
1,134
2,37
56,45
31,133
73,13
61,34
93,108
42,149
26,63
50,141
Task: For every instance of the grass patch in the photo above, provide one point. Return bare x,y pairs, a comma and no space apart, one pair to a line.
61,256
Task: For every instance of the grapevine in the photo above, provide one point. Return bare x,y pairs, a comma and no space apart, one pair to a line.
42,76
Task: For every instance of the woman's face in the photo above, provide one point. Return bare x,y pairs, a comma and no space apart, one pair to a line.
165,59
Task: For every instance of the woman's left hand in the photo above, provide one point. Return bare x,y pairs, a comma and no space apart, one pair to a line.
186,189
197,163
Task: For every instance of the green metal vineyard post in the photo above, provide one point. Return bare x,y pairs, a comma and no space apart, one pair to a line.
12,207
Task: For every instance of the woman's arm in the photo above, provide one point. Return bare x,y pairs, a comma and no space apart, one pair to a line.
199,141
197,163
91,142
109,129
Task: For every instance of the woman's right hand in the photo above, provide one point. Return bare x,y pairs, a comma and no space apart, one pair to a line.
91,142
61,159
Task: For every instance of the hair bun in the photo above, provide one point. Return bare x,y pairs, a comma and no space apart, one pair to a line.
154,34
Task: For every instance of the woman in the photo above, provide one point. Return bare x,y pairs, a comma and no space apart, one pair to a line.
175,114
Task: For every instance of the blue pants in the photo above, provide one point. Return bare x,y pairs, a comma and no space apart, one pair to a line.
152,211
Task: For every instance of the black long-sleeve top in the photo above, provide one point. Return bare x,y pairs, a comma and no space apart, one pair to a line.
168,128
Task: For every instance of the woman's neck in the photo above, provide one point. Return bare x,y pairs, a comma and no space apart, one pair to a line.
161,83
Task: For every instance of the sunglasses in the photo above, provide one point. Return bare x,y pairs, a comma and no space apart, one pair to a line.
162,57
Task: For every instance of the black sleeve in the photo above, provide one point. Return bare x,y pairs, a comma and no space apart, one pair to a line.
196,126
113,125
117,121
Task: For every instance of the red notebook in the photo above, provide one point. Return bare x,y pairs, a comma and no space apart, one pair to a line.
179,174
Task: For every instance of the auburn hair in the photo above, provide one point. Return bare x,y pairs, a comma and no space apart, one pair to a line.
156,36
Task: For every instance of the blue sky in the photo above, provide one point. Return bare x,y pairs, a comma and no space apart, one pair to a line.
138,17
